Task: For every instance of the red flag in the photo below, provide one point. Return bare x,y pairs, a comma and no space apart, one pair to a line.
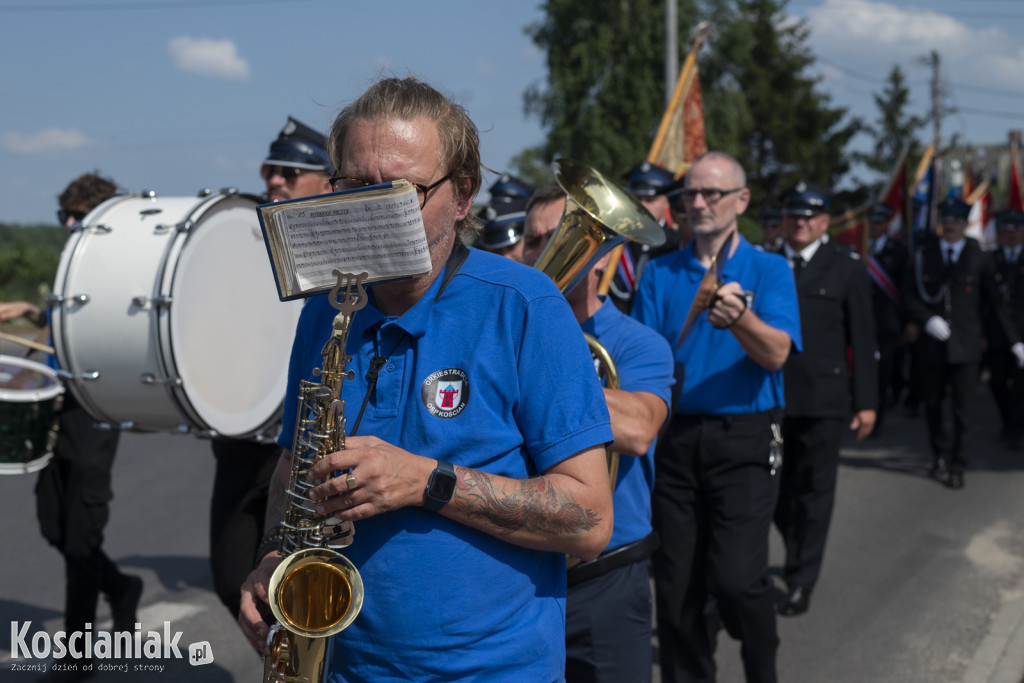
1013,196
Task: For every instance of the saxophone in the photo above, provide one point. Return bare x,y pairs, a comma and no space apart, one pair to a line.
316,591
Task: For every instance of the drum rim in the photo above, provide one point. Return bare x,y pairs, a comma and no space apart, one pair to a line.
31,395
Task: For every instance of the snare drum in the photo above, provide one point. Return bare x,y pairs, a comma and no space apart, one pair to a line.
30,397
166,316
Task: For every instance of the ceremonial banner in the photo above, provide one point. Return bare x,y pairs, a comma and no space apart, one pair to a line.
680,138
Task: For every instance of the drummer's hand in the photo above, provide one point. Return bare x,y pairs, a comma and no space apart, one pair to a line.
255,602
10,310
386,478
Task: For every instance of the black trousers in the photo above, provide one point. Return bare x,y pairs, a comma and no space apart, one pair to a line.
238,510
807,493
73,495
713,502
608,627
1006,382
961,379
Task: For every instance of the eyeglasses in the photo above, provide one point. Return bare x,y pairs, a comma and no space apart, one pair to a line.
64,214
340,183
288,173
710,194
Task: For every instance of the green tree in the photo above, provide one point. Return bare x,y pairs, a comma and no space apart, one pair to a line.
762,105
604,95
894,128
28,261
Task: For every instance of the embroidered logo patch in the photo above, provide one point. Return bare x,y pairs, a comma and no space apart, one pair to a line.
445,393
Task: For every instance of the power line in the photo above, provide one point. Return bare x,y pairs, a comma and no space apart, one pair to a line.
1019,116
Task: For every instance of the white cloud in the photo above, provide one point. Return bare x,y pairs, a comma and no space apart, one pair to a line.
208,57
869,37
45,141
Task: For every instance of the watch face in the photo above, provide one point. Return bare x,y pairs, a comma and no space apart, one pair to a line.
442,486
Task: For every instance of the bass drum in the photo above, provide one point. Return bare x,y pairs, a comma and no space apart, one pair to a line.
30,398
166,317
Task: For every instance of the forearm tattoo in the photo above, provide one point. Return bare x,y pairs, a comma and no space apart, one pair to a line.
531,505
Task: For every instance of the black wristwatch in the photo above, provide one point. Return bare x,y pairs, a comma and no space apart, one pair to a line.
440,486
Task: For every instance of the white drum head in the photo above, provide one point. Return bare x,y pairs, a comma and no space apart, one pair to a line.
230,336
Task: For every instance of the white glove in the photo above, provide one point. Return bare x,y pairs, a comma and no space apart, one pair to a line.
1018,352
937,328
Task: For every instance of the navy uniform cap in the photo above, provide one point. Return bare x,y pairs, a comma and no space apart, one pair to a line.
880,213
771,217
648,180
299,146
508,188
1010,219
805,199
504,222
954,209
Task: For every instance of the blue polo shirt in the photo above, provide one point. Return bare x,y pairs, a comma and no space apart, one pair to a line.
493,375
643,361
714,375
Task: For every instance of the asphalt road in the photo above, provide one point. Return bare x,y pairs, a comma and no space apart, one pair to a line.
921,584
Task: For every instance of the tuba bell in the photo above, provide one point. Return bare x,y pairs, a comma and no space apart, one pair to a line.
599,215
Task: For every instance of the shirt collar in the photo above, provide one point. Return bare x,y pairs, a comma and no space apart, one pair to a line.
414,321
807,253
957,248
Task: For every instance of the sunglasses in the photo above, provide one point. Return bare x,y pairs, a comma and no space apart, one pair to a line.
287,173
64,214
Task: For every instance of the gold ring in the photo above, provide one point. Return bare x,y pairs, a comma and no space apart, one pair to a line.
350,481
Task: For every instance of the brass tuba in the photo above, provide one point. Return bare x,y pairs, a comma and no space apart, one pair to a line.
599,215
316,591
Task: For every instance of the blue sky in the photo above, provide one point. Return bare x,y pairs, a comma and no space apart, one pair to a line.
178,95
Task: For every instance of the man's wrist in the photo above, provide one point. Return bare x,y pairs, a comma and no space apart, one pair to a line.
271,543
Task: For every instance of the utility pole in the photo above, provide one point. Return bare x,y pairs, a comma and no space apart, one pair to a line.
671,48
937,110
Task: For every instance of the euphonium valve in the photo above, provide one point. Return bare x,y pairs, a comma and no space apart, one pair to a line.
598,216
316,591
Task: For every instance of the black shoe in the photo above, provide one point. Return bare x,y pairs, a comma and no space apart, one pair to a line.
956,481
939,472
796,602
124,605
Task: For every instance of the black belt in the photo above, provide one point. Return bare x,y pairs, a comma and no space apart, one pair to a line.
614,559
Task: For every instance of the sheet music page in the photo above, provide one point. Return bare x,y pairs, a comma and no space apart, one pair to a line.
378,232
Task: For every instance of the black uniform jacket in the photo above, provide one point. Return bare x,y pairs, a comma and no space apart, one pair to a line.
834,292
890,316
956,296
1010,282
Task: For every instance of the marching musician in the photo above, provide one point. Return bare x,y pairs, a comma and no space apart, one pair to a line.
951,280
826,386
716,487
891,259
73,492
1006,378
296,166
503,217
463,515
608,607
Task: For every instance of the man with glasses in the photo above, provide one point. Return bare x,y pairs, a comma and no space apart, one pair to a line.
462,515
296,166
952,279
834,292
729,312
73,492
